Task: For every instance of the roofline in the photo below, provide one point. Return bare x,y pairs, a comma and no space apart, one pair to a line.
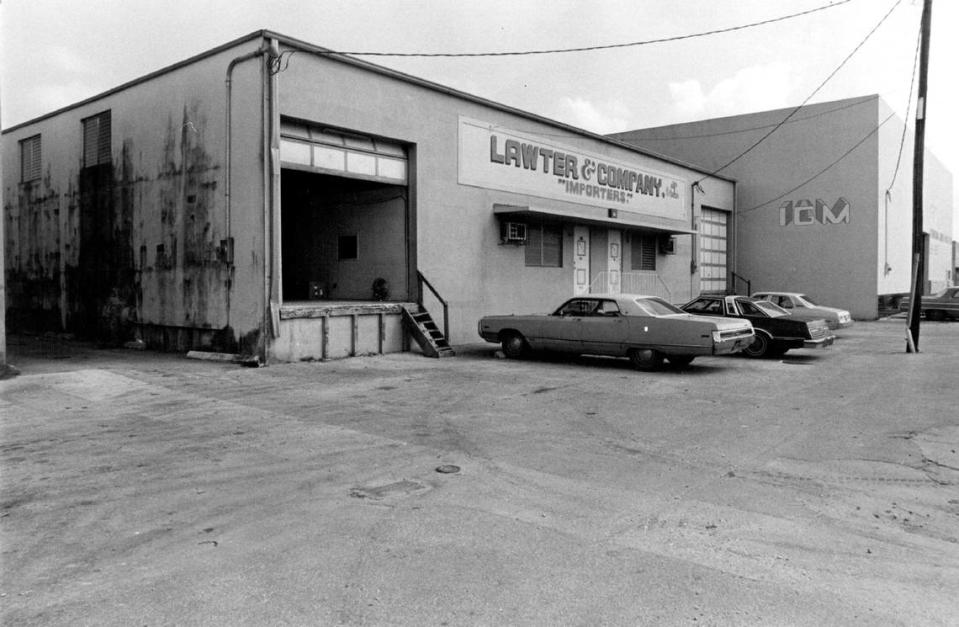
371,67
142,79
851,101
422,82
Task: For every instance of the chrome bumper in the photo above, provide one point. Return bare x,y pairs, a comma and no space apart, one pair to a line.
820,343
734,345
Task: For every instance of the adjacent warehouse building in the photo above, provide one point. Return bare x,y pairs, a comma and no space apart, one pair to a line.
271,198
823,204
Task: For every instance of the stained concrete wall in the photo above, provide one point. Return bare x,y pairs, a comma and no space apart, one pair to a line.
146,257
170,213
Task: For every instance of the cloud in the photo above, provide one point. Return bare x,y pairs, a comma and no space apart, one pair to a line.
66,60
598,118
46,97
750,89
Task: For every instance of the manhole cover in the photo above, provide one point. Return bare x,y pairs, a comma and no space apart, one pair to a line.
447,469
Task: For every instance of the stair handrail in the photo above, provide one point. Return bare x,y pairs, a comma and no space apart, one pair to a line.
749,289
421,280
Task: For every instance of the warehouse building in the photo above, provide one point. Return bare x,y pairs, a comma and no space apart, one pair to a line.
273,199
824,204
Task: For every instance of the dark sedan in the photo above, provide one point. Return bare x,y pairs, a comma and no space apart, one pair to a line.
776,331
938,306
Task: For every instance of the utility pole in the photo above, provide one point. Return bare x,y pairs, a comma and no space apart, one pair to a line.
918,241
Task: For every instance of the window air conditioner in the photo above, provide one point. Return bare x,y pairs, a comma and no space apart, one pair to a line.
667,245
514,233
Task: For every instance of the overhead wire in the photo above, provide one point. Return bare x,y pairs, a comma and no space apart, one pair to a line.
857,144
756,128
618,136
905,125
887,197
646,42
808,98
872,132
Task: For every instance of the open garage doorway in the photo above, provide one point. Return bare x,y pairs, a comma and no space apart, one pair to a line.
343,238
345,216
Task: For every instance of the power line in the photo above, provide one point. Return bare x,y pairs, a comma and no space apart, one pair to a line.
640,141
905,123
823,171
808,98
647,42
751,128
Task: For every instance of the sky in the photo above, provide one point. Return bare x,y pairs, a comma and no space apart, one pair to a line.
57,52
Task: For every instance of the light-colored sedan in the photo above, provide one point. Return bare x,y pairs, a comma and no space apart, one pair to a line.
802,307
646,329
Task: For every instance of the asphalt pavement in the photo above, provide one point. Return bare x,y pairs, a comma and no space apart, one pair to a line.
150,489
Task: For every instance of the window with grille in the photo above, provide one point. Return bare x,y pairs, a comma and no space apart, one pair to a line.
30,159
96,140
643,252
544,245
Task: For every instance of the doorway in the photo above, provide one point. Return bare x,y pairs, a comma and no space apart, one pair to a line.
343,238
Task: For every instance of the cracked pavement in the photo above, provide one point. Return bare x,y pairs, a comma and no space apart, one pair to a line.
820,488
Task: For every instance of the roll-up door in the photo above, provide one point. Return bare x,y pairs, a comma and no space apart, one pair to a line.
713,247
315,149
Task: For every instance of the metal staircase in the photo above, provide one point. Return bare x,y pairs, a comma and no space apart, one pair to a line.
429,337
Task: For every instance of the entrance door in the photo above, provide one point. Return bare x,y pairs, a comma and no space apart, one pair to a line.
614,261
580,260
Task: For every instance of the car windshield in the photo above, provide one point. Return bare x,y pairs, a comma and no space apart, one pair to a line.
770,309
657,307
805,300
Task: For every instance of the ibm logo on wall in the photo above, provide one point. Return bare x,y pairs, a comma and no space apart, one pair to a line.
807,213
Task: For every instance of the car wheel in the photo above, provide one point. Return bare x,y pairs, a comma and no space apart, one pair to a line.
515,346
681,361
759,347
935,315
645,358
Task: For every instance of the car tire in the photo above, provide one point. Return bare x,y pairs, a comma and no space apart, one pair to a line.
681,361
515,346
645,358
935,315
759,347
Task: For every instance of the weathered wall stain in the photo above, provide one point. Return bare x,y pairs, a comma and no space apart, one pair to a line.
124,252
33,254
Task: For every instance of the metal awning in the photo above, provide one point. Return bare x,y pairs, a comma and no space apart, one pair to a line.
603,216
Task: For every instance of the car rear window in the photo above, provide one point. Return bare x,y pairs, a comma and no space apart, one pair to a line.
657,307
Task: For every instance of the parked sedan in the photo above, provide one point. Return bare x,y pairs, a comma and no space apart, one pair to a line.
776,331
938,306
646,329
801,306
